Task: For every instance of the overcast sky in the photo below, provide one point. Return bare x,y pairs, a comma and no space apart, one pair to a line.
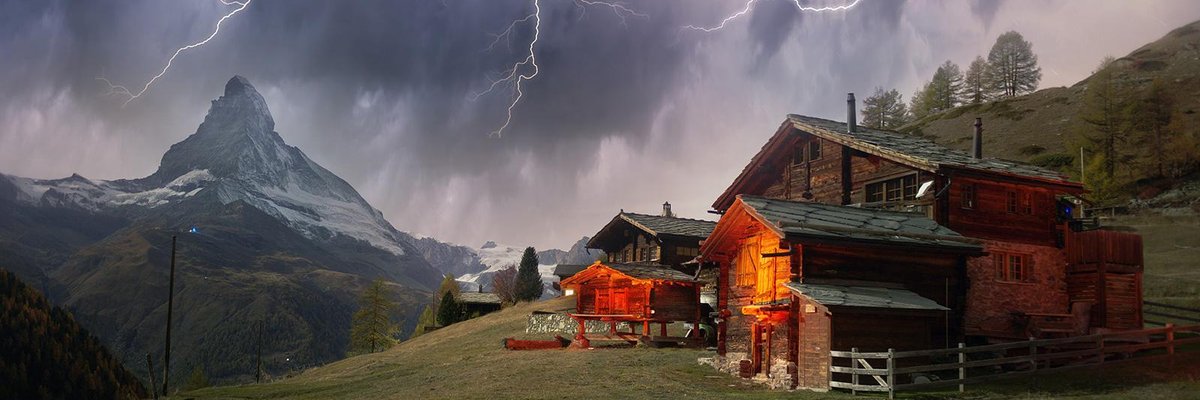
625,112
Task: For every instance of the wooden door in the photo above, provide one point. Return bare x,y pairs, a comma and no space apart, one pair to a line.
603,302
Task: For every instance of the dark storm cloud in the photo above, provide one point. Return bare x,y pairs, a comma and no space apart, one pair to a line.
623,114
986,10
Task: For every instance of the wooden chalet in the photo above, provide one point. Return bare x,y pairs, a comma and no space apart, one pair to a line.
638,293
836,236
1043,274
801,278
479,303
664,239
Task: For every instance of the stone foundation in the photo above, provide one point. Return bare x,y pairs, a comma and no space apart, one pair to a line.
563,323
778,378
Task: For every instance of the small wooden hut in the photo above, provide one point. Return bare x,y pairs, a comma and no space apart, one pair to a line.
638,293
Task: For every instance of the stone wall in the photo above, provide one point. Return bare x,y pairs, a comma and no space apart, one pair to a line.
780,376
563,323
991,304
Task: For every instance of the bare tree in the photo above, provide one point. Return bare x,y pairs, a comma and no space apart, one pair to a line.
504,284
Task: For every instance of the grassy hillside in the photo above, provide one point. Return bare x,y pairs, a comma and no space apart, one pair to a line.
1044,122
466,361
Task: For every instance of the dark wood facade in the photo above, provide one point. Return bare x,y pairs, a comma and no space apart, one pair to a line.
636,293
1014,209
783,332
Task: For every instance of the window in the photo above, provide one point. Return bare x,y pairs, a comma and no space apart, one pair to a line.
1011,267
1020,203
898,189
968,196
814,150
809,151
687,251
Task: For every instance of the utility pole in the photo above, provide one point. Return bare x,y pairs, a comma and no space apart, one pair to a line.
170,307
258,359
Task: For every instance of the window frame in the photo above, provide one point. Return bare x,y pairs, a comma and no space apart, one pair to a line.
968,196
1012,267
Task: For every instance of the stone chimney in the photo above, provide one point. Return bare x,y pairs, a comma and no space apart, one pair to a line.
977,143
667,210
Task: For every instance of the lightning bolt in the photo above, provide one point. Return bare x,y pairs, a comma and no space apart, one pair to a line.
528,64
124,91
750,5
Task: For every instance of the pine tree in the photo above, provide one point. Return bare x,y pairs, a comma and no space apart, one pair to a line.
371,328
945,89
974,89
884,109
449,311
529,281
1012,67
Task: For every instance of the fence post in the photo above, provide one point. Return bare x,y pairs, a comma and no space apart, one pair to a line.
962,371
1032,354
1170,338
891,373
854,371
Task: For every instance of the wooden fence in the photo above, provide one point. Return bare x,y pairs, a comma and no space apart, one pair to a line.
1163,314
893,371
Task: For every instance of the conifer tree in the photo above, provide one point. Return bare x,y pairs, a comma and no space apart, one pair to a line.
945,89
371,328
1151,119
449,311
975,89
1106,131
1012,68
884,110
427,320
529,281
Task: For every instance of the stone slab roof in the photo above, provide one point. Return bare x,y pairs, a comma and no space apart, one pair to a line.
863,296
902,147
835,222
660,225
649,270
565,270
478,298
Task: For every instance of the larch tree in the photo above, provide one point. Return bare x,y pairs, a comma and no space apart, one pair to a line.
919,105
884,109
1151,119
974,88
371,327
1106,131
945,89
426,320
529,281
1012,68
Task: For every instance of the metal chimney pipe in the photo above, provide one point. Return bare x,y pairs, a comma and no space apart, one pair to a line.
977,143
851,123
